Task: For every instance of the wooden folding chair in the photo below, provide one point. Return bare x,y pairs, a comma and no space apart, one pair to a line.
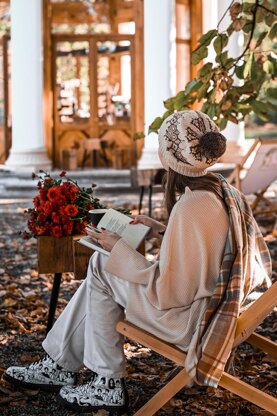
246,325
256,172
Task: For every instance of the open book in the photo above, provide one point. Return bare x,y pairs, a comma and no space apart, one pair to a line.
119,223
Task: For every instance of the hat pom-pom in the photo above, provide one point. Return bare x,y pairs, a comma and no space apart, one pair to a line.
212,144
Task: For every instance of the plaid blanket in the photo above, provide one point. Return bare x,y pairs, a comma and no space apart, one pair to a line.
244,275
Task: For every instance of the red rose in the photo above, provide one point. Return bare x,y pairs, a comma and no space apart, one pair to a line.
80,227
71,210
43,194
56,217
37,201
54,193
56,231
40,230
47,207
42,217
68,228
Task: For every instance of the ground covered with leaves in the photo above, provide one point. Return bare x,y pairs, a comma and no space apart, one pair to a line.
24,300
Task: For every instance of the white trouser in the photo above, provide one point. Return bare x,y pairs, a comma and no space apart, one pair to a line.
85,334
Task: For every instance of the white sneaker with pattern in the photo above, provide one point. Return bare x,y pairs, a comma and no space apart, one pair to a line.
44,374
99,393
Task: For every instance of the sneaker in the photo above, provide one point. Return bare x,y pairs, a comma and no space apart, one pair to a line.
44,374
99,393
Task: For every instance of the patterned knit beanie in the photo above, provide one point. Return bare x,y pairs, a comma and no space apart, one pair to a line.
190,142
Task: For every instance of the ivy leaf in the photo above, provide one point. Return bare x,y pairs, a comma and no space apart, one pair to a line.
202,91
247,67
248,26
220,42
247,7
222,123
233,119
198,54
259,107
271,92
268,67
180,100
192,86
261,38
169,104
138,135
235,10
206,69
208,37
273,32
155,125
269,19
260,15
239,71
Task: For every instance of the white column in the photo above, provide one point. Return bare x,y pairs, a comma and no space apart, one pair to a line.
213,10
159,70
28,152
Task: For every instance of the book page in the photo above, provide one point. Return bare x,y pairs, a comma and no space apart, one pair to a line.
114,221
120,223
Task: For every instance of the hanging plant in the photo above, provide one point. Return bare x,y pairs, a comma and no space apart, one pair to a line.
230,88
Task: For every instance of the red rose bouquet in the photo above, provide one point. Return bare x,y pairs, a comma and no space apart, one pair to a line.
61,207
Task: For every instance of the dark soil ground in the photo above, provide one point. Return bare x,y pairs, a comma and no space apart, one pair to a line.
24,299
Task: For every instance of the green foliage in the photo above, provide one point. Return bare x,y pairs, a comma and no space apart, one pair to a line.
232,87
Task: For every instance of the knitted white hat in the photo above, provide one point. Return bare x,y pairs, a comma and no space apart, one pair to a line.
190,142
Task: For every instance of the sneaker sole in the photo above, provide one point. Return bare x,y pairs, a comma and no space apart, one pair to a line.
32,386
114,410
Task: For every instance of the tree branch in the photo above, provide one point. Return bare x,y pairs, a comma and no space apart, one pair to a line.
252,31
267,9
225,13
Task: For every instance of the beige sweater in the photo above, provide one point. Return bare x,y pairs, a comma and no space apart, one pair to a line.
168,297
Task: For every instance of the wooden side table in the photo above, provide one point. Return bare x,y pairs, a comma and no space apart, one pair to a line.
55,255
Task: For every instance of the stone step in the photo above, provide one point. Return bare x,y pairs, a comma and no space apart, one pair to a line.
21,185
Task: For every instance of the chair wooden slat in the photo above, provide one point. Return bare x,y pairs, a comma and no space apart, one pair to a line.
142,337
248,392
255,314
263,344
247,323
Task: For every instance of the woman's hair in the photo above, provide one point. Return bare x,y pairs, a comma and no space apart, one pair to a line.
175,184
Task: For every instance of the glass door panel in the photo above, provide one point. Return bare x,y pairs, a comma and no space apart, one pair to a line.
72,81
114,82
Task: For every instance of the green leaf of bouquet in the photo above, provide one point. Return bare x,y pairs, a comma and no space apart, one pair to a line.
198,54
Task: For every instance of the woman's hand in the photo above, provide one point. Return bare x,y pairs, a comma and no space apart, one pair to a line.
106,239
156,226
